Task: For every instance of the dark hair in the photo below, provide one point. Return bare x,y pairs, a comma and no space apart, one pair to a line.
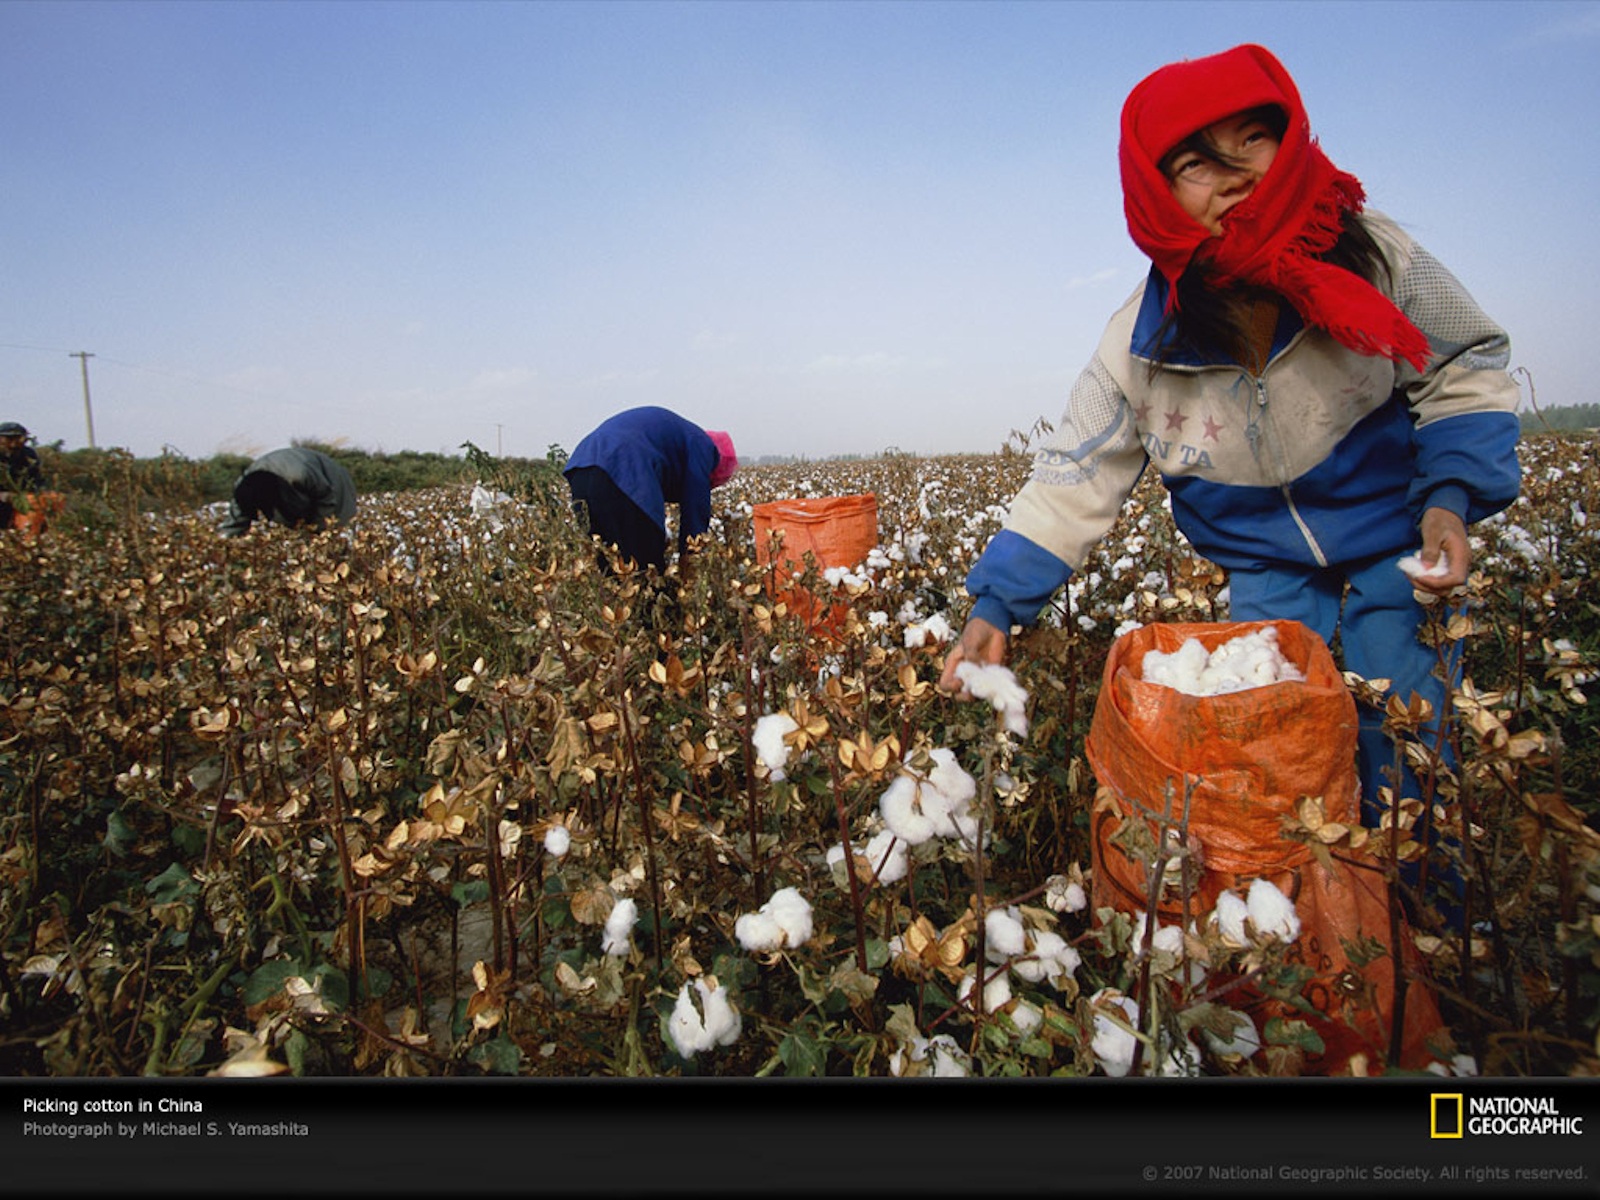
1211,321
1199,142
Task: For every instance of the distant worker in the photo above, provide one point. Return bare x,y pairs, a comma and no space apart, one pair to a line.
625,473
295,486
19,470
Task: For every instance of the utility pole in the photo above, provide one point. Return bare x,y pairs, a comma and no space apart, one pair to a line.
83,358
498,453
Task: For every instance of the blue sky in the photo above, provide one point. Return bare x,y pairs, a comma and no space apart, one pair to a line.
825,227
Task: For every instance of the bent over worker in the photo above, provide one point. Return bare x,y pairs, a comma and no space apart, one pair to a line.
294,486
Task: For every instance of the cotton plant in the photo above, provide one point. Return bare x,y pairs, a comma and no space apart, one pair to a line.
996,989
616,940
486,506
768,740
1113,1044
1033,955
1243,1041
1264,912
888,858
918,806
1065,893
1271,912
782,923
704,1026
934,631
938,1057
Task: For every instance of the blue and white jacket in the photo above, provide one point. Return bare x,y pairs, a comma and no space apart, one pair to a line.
1326,456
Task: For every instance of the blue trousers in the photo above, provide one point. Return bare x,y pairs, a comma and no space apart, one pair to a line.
1370,605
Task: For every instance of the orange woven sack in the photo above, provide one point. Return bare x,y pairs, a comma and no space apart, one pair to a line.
33,515
1249,757
838,531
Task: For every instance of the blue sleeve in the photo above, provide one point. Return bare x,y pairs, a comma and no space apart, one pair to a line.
1013,580
1467,464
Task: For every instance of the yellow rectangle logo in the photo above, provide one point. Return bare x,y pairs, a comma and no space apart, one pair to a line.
1446,1116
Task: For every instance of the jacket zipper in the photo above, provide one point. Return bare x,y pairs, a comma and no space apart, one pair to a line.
1254,432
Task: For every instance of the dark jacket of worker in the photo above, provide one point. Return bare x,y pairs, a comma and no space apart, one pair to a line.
294,486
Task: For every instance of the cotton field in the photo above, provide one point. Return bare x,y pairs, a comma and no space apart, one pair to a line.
430,795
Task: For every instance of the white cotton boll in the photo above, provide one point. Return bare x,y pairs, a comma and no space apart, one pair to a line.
1113,1045
557,840
1271,912
902,812
1062,894
758,932
935,629
903,1056
995,992
619,927
1004,936
1051,959
792,912
783,922
1413,566
722,1022
966,829
952,782
1244,1041
995,683
686,1026
719,1026
888,855
1026,1017
1230,914
767,738
950,1061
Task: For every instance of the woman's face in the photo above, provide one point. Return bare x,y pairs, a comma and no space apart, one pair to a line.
1206,188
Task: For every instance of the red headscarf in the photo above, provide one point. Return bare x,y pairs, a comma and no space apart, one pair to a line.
1272,237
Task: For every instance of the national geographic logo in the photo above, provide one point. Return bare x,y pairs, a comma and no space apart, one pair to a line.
1453,1115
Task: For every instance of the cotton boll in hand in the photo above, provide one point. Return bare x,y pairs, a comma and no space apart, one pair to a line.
995,683
1413,566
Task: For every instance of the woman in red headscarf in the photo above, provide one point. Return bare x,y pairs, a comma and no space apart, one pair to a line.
1320,395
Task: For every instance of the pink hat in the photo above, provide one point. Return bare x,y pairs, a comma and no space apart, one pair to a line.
727,460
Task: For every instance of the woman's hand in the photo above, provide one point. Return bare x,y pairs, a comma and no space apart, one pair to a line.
1443,533
980,643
